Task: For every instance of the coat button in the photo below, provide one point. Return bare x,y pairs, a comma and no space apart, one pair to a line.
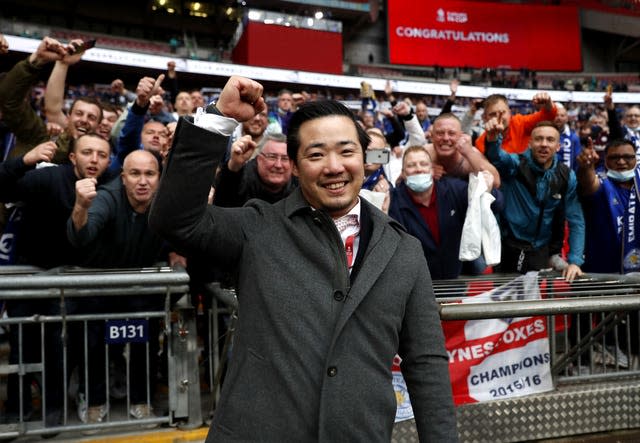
332,371
338,295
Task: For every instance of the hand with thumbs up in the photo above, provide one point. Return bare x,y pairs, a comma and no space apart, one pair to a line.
148,87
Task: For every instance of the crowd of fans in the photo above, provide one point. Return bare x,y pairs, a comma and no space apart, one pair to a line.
81,166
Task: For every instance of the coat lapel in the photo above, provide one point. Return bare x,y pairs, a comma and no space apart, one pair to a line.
374,258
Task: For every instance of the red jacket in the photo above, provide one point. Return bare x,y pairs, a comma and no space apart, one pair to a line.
516,139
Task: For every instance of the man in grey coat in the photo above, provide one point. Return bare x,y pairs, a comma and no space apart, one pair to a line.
322,313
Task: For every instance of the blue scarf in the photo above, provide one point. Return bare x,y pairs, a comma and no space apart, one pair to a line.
565,155
371,181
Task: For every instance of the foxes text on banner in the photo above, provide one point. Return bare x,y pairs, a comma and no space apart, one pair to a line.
481,35
499,358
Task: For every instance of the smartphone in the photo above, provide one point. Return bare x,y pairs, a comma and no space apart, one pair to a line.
83,46
377,156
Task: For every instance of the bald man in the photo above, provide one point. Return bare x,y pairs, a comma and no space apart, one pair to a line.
109,225
569,141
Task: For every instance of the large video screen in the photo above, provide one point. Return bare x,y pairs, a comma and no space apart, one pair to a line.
484,35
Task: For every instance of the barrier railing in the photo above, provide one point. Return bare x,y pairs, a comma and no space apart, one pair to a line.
593,342
66,319
599,313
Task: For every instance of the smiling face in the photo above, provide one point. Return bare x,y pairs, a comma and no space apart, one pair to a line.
445,133
84,117
330,164
632,117
109,119
545,143
256,125
274,165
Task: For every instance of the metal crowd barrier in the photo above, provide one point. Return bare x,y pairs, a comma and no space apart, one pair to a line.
596,376
596,389
66,286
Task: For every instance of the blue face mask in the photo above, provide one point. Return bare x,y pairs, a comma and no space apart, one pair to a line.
419,182
621,176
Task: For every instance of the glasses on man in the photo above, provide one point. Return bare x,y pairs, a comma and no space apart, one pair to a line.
626,157
272,158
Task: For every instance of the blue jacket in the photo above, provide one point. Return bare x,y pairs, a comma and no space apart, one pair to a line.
451,195
522,212
608,214
129,138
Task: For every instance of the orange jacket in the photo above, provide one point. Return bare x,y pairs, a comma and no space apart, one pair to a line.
516,139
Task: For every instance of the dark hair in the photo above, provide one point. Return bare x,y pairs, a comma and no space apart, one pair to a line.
495,98
91,101
74,142
318,109
546,124
617,143
110,107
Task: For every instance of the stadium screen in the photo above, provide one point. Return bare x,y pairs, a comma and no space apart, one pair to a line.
484,35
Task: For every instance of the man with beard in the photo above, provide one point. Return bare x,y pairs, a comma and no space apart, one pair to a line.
30,130
517,128
109,227
255,127
569,141
47,196
535,186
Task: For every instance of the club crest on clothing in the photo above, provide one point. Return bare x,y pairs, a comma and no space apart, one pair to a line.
632,259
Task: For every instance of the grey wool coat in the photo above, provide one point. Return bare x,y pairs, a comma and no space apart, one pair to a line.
313,350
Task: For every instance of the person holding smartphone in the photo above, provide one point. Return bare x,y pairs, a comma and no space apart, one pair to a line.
376,157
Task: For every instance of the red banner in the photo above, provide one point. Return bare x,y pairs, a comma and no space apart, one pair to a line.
481,35
499,358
